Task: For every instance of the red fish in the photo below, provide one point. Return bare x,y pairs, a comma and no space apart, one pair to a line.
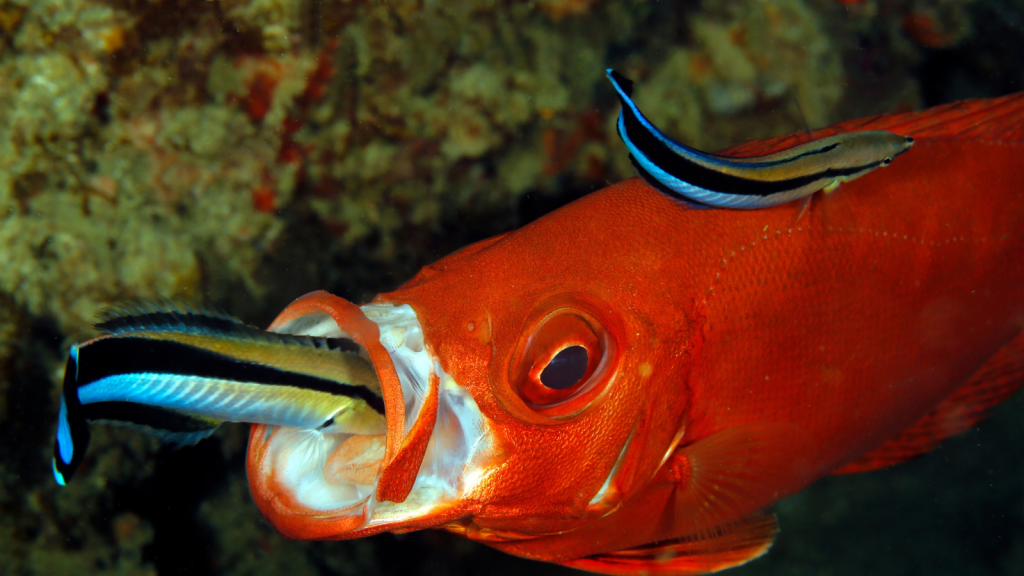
625,385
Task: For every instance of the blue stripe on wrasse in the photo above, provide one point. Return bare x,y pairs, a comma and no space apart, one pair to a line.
216,399
133,355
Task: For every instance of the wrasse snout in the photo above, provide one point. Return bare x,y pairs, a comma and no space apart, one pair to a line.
180,373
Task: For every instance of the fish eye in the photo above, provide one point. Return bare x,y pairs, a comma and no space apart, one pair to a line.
886,161
561,365
566,369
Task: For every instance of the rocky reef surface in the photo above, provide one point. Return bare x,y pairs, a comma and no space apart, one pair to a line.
244,152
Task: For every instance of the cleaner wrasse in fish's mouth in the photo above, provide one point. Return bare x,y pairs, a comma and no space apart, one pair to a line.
750,182
180,372
627,383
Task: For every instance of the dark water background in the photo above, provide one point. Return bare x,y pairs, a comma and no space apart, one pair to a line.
245,152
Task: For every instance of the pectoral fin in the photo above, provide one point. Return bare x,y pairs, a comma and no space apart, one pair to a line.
714,517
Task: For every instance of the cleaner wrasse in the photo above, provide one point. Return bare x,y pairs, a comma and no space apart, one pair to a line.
179,373
749,182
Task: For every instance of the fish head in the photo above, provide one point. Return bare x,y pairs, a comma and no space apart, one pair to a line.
869,149
518,397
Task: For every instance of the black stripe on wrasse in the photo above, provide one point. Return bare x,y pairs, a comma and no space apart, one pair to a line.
129,355
627,86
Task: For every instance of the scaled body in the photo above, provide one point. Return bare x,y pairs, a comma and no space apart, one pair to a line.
731,358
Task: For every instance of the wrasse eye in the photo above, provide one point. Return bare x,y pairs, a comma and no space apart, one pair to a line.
886,161
566,369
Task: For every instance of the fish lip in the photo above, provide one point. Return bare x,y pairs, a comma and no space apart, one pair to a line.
354,324
438,443
286,511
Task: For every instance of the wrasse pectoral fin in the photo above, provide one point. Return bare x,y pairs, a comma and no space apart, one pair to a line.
752,182
179,373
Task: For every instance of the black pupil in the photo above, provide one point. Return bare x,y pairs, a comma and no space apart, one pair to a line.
565,369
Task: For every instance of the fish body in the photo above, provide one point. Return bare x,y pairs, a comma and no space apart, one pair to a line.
625,384
749,182
181,373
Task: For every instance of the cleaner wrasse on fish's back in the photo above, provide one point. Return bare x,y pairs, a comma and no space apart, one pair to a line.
751,182
179,373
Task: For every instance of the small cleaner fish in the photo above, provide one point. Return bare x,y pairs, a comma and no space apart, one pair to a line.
180,372
750,182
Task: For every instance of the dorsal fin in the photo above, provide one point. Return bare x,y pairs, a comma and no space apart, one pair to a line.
996,381
997,119
175,316
166,315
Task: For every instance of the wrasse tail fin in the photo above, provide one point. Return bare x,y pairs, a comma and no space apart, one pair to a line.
996,381
731,545
72,431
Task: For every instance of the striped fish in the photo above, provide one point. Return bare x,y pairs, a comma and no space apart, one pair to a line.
748,183
179,373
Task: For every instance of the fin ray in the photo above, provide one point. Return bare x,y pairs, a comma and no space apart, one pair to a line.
732,474
174,316
997,380
996,119
731,545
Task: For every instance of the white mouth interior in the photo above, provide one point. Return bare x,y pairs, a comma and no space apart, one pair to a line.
338,471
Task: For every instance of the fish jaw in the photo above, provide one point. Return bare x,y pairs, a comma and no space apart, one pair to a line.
311,485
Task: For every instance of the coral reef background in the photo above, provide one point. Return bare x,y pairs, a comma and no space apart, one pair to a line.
244,152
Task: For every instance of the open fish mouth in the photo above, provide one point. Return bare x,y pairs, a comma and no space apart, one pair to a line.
355,484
